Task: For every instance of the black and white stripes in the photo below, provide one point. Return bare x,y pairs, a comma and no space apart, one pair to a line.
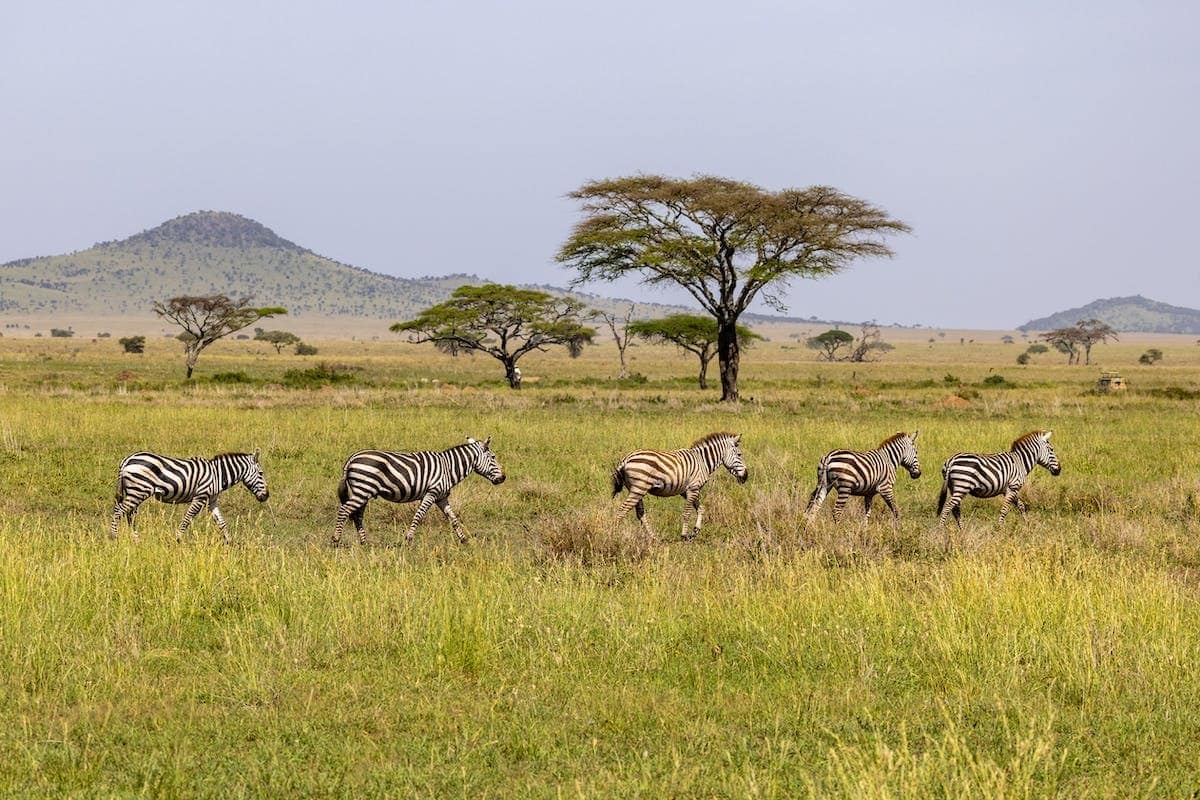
994,474
864,474
196,481
675,472
427,476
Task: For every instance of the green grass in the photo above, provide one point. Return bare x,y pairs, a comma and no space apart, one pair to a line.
1054,656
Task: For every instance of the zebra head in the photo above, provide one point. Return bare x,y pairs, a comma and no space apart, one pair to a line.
1046,455
253,478
486,463
733,460
908,455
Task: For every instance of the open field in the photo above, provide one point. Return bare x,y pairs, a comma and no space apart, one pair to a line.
558,655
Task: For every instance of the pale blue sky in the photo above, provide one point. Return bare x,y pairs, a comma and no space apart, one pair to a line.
1045,153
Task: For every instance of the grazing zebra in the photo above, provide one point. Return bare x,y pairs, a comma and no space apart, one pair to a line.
865,474
196,481
427,476
995,474
666,474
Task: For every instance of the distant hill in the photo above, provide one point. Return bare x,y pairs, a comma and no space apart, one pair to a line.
1135,314
210,252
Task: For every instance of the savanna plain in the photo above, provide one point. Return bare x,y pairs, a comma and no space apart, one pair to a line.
559,653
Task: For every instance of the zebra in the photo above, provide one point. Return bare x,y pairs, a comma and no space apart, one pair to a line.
196,481
427,476
865,474
995,474
677,472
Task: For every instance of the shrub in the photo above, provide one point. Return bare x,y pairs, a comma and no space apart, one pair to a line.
591,538
1151,356
322,374
303,349
1023,358
951,380
1037,349
968,394
1176,393
993,380
133,344
231,377
61,333
104,335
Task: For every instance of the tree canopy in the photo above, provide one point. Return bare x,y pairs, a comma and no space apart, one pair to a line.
505,322
691,332
1084,335
829,343
277,339
725,242
208,318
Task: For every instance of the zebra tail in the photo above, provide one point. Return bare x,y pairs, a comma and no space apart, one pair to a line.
120,488
942,499
343,491
618,480
822,477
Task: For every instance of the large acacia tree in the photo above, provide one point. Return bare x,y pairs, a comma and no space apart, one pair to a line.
504,322
726,242
691,332
208,318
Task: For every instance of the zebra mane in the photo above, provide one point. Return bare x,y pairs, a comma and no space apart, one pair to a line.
1026,437
895,437
228,455
712,437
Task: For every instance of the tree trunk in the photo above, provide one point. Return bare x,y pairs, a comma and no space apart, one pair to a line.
728,356
624,371
511,375
193,355
704,371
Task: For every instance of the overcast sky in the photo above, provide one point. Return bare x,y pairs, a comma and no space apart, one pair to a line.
1045,153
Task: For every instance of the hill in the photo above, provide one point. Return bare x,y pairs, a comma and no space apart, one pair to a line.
207,252
1135,314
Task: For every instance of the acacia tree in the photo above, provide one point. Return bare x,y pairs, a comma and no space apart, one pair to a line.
208,318
277,339
829,343
1091,332
619,325
690,332
726,242
1064,340
870,341
502,321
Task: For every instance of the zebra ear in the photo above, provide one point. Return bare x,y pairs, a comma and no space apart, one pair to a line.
487,443
470,440
1048,435
916,433
737,438
255,456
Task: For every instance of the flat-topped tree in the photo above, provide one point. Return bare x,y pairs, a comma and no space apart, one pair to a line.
208,318
277,339
726,242
691,332
505,322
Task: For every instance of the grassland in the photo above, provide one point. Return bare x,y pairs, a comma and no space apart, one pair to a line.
558,655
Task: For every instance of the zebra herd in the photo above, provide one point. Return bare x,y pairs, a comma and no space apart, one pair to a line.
427,477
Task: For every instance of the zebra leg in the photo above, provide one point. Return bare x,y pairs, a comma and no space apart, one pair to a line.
352,508
191,513
1020,504
840,504
131,518
691,504
422,507
817,498
118,512
890,499
357,518
216,512
444,504
640,510
1009,496
867,500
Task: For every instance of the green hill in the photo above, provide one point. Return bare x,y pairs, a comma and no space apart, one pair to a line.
1127,314
210,252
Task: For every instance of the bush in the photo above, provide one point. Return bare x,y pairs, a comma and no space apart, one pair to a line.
104,335
951,380
1037,349
1023,358
993,380
133,344
1151,356
60,333
1176,393
322,374
303,349
231,377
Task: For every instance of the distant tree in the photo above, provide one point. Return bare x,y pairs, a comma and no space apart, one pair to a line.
1091,332
133,344
1007,339
726,242
1036,349
829,343
619,325
303,349
207,319
61,333
870,341
277,339
1151,356
694,333
1064,340
1023,358
502,321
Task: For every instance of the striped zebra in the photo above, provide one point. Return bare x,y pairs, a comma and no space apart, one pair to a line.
994,474
865,474
677,472
427,476
196,481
